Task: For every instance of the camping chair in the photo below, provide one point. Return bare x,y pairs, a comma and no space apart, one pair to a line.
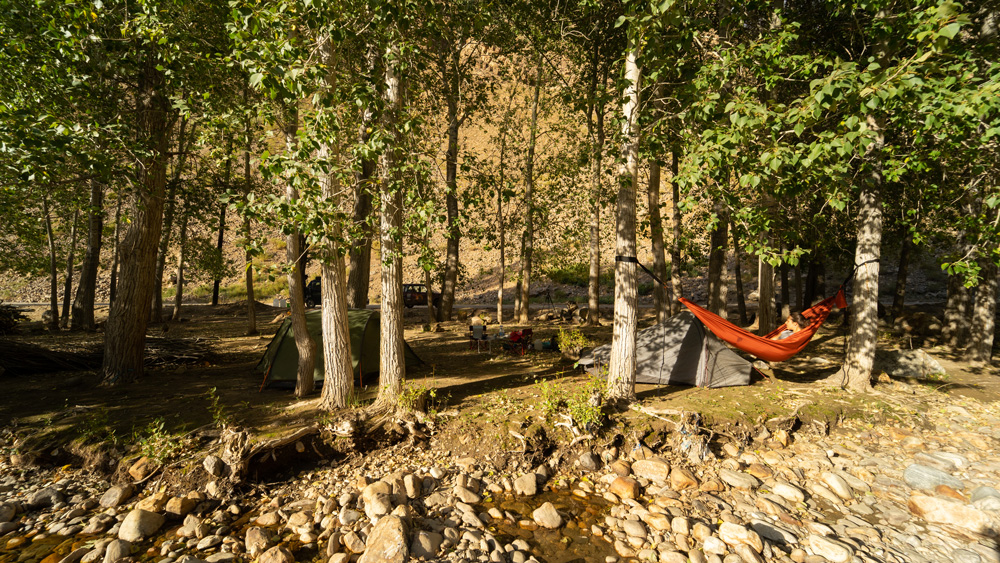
520,342
477,337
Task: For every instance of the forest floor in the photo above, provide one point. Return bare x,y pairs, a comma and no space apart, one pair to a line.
481,405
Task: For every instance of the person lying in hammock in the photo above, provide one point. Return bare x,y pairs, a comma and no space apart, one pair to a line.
794,323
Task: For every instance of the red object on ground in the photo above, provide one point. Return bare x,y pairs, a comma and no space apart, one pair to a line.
762,346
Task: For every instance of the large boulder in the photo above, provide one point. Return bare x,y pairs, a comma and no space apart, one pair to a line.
140,524
387,542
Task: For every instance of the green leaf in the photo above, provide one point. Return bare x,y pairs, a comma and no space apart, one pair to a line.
950,30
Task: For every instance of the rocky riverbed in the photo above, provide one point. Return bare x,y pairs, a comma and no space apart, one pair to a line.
920,489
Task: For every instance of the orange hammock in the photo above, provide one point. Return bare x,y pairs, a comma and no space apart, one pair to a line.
762,346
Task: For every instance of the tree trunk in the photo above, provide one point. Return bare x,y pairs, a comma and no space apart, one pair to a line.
182,229
360,255
815,282
675,231
661,299
338,373
86,289
125,333
596,190
248,233
902,273
856,373
528,240
786,306
501,226
450,73
68,282
984,315
53,323
392,367
717,260
168,223
304,383
115,254
222,216
766,315
621,374
741,304
799,304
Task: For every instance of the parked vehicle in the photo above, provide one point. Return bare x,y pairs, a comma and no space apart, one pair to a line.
312,293
413,294
416,294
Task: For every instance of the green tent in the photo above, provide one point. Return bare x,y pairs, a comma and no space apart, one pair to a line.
279,364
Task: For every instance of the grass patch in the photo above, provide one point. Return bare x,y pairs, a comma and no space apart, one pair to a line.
263,290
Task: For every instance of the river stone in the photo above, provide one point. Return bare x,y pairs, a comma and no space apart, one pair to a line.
589,461
944,511
140,524
838,485
922,477
116,550
789,492
387,542
179,507
734,534
214,466
413,485
547,516
256,541
978,493
354,543
670,557
746,554
277,554
526,485
682,478
116,495
267,519
75,556
773,532
625,487
833,550
655,469
45,497
965,556
738,480
426,544
465,495
347,516
142,468
155,502
916,364
714,545
7,512
634,528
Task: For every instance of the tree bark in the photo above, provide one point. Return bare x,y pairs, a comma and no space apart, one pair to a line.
53,323
799,305
68,281
125,334
304,383
984,315
86,289
741,304
766,315
786,306
675,231
360,255
598,134
182,229
501,224
528,240
902,273
621,374
338,373
168,223
449,62
392,367
815,282
955,331
718,240
856,372
222,217
248,233
115,254
661,299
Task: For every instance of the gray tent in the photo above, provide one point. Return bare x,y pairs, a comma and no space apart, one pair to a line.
678,351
